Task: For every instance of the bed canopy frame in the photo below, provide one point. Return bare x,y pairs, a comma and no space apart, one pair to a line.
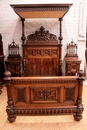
58,11
25,11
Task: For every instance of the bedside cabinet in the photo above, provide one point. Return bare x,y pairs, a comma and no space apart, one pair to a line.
71,59
14,60
72,66
14,66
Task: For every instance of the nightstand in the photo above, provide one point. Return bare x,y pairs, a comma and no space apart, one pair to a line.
14,60
72,60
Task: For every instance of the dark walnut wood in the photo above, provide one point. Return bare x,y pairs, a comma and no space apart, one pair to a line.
55,95
41,54
72,60
2,68
14,60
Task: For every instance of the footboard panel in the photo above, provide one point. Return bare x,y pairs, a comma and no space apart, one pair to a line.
44,96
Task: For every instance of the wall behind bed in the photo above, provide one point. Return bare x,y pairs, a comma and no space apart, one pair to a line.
74,25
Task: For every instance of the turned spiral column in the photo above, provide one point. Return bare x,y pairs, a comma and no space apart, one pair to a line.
60,42
23,35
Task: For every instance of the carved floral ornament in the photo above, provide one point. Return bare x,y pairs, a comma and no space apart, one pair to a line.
41,35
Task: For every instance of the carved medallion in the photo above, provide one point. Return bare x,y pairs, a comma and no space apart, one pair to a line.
45,95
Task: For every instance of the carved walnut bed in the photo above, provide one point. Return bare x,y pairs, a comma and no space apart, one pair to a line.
42,90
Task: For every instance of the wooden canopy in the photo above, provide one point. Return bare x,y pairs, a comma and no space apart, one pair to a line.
41,10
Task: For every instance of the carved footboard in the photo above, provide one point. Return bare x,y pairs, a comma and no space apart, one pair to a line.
44,96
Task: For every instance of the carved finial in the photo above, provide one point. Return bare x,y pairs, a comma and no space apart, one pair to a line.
7,75
81,74
13,42
72,42
0,37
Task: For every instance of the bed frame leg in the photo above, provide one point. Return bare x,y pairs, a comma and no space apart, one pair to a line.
10,111
11,118
78,116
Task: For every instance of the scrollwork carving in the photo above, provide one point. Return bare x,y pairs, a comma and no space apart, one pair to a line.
41,35
45,95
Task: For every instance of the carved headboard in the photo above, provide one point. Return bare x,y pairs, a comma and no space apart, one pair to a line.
41,54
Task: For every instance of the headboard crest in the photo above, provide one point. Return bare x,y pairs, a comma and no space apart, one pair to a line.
41,35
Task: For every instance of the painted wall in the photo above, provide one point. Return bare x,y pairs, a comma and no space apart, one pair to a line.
74,25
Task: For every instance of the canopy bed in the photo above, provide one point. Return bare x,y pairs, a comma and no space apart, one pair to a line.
42,90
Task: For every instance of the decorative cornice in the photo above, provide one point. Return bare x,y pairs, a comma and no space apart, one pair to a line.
61,8
24,10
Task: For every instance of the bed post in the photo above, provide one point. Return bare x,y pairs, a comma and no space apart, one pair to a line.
23,35
60,39
23,42
80,107
9,108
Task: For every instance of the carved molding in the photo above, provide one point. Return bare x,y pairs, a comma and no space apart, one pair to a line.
48,111
55,8
41,35
29,81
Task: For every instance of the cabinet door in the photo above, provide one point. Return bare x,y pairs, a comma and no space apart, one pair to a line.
41,61
44,66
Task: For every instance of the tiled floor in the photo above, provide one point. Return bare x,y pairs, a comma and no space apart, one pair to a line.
42,122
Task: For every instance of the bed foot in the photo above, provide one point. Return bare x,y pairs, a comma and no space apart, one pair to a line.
10,111
11,119
78,117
